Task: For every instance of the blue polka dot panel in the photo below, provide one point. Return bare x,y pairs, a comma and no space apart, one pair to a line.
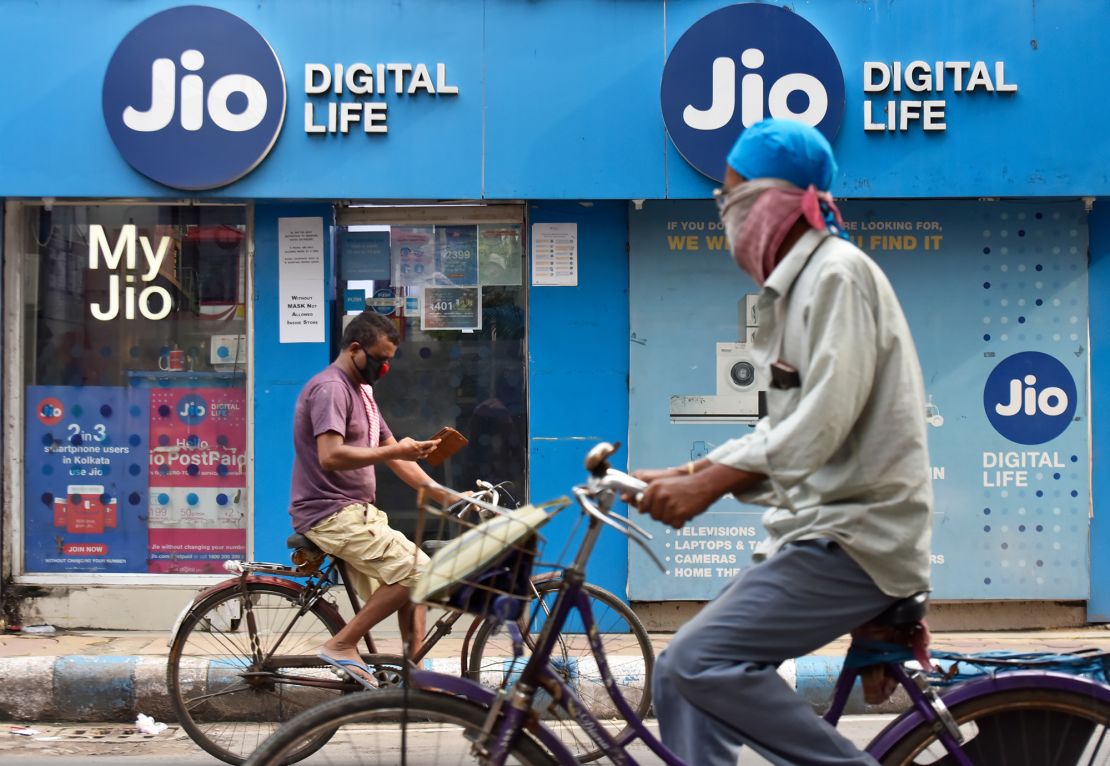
996,297
995,294
85,479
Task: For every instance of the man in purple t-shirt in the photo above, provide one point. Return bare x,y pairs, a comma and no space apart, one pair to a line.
339,435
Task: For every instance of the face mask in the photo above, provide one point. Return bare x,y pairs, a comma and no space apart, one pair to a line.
373,370
736,205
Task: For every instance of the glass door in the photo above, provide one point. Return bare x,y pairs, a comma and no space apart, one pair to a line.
452,279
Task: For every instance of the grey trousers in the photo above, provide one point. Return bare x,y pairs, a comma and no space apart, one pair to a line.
716,687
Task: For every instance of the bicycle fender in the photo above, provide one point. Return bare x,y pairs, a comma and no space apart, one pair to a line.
897,729
473,692
233,582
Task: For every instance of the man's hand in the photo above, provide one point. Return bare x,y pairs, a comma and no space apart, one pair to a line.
675,495
410,449
654,474
674,500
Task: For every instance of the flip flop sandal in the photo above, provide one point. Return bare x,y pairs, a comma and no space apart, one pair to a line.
346,667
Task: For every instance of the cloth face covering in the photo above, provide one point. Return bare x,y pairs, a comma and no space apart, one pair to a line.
373,370
757,216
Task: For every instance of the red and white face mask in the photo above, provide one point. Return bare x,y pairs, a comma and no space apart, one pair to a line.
758,215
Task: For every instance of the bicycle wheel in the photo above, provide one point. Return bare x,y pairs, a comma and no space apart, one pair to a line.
1023,727
226,701
627,648
414,728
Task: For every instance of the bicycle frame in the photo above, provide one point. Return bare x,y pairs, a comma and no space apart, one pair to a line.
510,712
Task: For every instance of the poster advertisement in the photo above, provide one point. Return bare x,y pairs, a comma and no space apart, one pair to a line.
500,261
413,255
301,280
451,308
457,253
555,254
364,255
996,297
86,479
197,478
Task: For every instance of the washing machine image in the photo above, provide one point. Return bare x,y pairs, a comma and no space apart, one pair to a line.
740,384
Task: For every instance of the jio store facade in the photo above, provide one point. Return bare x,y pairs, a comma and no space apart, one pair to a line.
197,197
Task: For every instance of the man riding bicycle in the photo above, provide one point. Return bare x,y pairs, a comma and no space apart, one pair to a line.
841,458
339,436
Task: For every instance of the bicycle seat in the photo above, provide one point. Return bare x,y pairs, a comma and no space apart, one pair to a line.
300,541
908,611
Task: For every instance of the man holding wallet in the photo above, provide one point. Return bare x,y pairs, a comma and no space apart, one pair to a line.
339,436
841,459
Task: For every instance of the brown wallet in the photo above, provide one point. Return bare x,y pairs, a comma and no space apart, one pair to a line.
451,441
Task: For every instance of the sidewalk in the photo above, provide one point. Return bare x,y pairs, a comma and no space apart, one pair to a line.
83,676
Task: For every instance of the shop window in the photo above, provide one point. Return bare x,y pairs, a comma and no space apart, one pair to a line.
134,386
456,292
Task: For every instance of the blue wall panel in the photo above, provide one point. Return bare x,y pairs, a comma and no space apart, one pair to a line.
1098,280
279,373
578,373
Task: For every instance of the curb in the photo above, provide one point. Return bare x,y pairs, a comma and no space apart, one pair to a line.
118,688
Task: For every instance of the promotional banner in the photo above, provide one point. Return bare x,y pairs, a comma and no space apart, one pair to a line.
452,308
364,255
413,255
499,254
457,250
86,479
197,478
996,297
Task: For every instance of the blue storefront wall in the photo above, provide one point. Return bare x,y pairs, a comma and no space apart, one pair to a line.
560,101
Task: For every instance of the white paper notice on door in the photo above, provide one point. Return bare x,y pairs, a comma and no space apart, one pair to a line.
301,279
555,254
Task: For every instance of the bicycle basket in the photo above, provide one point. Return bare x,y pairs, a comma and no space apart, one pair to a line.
485,568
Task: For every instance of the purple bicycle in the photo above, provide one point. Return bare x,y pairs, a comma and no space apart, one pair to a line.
1020,717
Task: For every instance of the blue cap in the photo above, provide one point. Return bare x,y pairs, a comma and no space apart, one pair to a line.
786,149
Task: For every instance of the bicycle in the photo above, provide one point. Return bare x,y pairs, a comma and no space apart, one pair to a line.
242,656
1024,717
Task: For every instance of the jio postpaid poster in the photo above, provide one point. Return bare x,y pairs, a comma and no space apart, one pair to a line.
996,297
197,478
85,480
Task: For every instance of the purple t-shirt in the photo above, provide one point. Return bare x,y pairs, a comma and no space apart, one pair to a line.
329,402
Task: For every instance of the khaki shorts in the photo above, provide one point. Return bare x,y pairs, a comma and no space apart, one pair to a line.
373,551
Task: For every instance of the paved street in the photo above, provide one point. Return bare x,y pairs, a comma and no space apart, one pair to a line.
109,745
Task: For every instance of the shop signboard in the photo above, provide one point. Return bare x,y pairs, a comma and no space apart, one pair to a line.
996,297
194,97
739,65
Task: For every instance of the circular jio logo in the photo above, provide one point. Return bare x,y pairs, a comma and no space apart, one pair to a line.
50,411
192,409
739,65
194,97
1030,398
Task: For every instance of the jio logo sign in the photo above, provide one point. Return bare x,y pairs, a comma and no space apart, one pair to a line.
739,65
194,98
1030,398
192,409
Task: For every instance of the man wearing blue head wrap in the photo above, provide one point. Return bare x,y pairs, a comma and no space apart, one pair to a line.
840,458
786,149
